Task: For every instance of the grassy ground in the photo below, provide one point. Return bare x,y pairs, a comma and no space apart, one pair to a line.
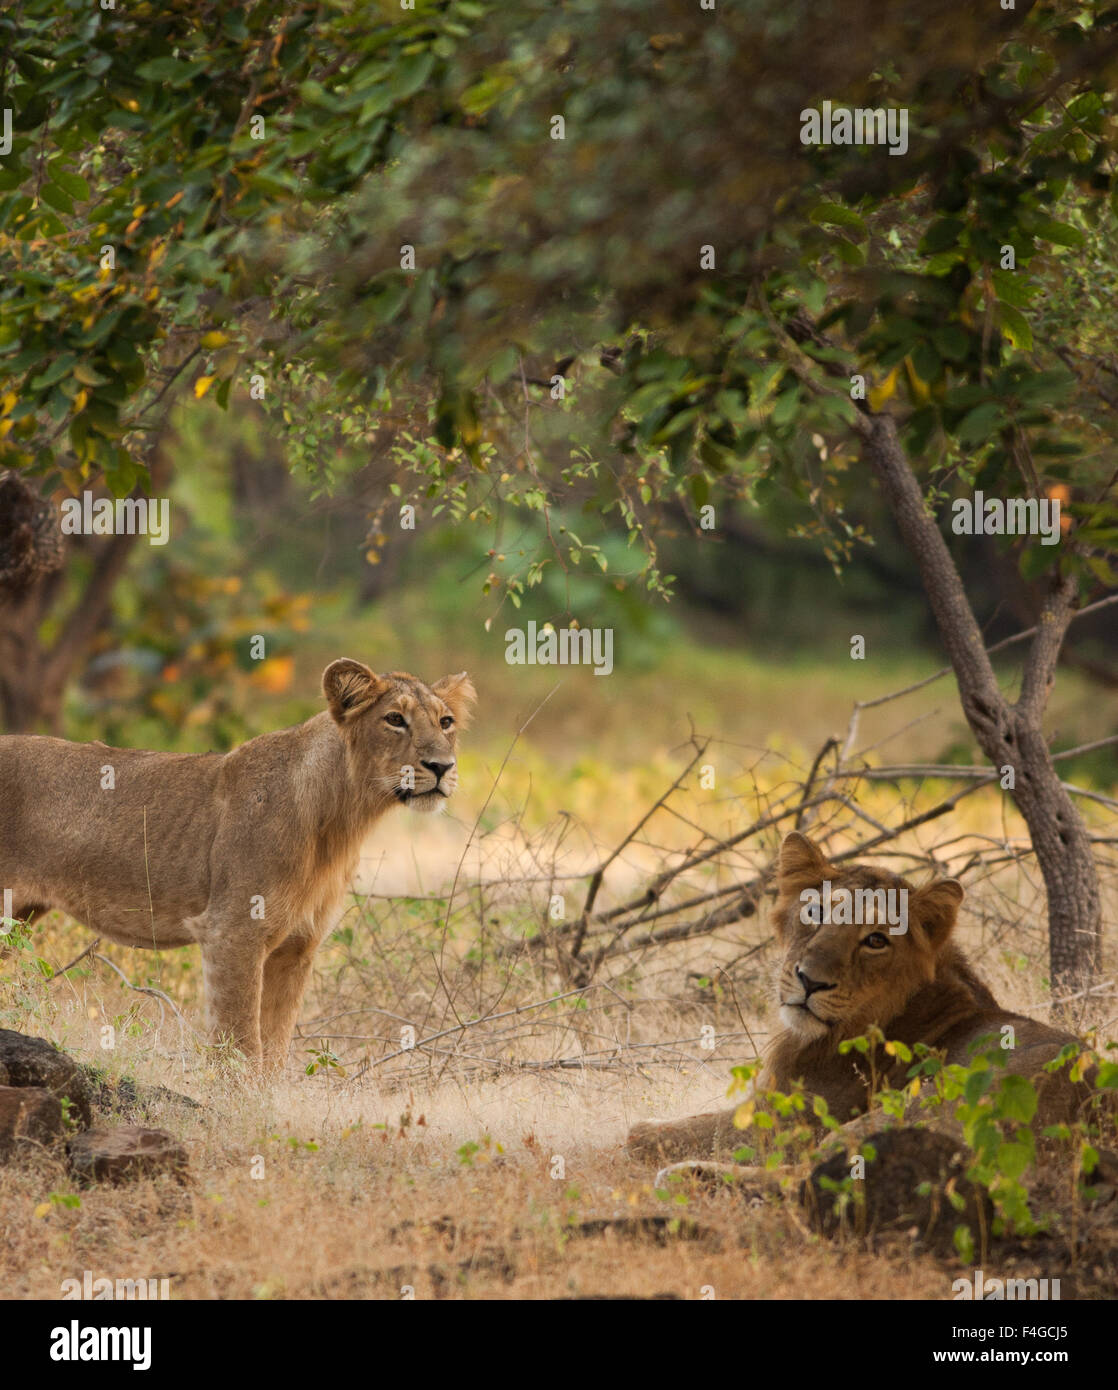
481,1167
485,1165
508,1186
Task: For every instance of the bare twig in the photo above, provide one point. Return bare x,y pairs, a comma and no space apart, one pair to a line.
461,1027
91,947
156,994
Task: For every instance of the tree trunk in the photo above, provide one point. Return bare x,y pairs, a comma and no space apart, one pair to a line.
24,699
33,677
33,554
1011,735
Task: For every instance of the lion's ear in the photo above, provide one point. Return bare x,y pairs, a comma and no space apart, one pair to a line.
801,857
937,907
458,693
349,686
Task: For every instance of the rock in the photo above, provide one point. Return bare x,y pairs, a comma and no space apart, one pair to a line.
1102,1181
36,1062
1106,1168
29,1116
118,1153
887,1197
156,1097
126,1098
663,1230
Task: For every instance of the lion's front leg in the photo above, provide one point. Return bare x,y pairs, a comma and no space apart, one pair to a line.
233,972
286,972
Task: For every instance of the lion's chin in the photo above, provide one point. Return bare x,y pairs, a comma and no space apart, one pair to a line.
802,1021
427,803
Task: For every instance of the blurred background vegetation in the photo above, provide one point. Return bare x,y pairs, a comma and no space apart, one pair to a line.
753,647
259,175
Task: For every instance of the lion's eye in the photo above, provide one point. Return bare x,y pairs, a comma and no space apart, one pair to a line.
876,941
446,721
396,721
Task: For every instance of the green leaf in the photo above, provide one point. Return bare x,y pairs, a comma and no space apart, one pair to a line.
836,215
69,182
409,74
1108,576
941,235
54,197
848,253
170,71
1046,387
388,297
1035,560
1015,326
483,95
122,475
977,1084
679,421
12,174
926,363
717,459
1014,287
981,424
963,397
1012,1159
1017,1098
1060,233
60,367
952,341
88,376
784,410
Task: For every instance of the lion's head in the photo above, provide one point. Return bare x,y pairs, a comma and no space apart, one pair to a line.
401,735
858,942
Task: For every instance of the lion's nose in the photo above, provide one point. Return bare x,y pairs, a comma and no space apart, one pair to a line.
810,986
438,769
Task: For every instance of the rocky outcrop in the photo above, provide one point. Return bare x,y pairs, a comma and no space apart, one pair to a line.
30,1117
116,1154
36,1062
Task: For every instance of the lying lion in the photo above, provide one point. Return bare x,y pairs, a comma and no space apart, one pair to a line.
838,979
247,853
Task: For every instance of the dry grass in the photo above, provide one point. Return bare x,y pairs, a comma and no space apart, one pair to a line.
353,1204
471,1167
372,1212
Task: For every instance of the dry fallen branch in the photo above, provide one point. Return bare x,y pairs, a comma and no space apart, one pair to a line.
599,873
621,969
157,994
461,1027
80,957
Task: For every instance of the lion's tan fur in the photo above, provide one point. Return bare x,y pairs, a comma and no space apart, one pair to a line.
918,988
247,853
